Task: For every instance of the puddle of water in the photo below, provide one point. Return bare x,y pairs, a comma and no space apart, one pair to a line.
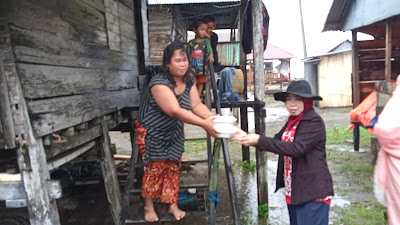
340,201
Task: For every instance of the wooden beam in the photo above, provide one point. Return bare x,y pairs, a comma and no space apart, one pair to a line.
259,94
134,157
5,109
31,155
388,55
35,174
110,176
243,110
55,114
74,141
62,160
356,72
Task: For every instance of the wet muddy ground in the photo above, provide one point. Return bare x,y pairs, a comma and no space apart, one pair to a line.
92,208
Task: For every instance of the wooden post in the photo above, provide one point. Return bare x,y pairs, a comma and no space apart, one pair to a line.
110,175
132,173
356,74
388,51
259,94
5,111
31,155
244,122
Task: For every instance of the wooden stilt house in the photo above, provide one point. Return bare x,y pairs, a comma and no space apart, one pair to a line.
68,69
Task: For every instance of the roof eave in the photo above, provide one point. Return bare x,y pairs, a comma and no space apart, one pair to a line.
337,14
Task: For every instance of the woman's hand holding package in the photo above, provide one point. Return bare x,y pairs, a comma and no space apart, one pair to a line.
246,139
209,126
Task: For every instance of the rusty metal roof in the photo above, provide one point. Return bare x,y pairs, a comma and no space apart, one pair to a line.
175,2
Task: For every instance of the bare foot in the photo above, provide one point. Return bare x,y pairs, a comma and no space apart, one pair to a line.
149,213
176,212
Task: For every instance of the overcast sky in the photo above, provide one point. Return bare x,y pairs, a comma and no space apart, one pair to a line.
285,25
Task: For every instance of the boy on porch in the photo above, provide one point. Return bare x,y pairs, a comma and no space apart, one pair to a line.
198,49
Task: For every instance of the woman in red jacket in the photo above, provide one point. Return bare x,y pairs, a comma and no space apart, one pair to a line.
302,168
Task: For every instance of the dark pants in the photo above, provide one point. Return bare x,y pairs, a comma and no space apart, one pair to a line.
311,213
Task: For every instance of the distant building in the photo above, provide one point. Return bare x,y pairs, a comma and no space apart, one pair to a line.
330,74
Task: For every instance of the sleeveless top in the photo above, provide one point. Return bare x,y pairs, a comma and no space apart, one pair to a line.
165,135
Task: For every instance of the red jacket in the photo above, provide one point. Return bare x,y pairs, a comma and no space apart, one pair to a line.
311,178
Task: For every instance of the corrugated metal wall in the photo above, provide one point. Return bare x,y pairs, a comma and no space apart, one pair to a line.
229,53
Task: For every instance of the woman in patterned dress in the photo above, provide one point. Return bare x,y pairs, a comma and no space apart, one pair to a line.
172,100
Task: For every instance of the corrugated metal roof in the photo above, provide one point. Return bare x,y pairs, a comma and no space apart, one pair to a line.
175,2
349,14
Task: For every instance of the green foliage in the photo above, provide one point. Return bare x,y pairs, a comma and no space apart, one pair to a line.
194,147
249,167
339,135
370,213
263,210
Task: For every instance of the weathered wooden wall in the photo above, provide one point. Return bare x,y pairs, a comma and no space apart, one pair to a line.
376,57
165,25
180,26
76,59
335,80
160,30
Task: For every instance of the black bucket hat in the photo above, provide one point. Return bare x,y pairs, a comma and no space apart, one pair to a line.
298,87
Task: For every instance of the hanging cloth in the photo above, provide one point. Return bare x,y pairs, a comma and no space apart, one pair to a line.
247,36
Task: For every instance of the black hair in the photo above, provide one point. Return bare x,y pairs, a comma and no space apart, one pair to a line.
209,19
197,23
168,52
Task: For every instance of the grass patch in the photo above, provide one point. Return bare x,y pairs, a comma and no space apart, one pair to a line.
249,166
370,213
353,165
339,135
195,147
358,171
269,99
263,210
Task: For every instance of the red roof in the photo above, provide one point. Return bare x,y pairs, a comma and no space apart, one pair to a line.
273,52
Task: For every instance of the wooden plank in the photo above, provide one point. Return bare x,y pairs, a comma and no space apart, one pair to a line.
32,164
143,28
259,94
54,187
110,176
44,48
388,51
7,126
132,170
74,141
125,13
356,69
12,190
128,46
40,81
127,30
98,4
70,18
111,6
79,151
380,43
127,3
50,115
117,80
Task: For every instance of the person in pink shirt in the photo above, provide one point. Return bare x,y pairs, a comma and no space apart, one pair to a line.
387,131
